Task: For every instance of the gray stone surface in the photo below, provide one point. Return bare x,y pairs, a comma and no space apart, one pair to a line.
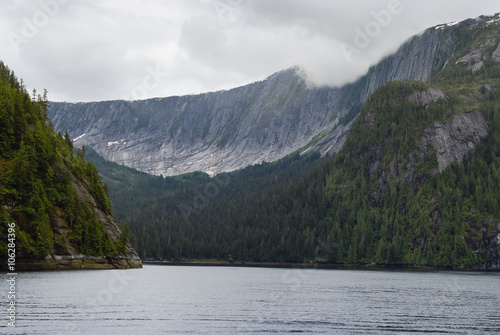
212,132
228,130
496,54
456,140
476,58
426,97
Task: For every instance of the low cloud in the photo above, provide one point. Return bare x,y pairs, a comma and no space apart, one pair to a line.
102,50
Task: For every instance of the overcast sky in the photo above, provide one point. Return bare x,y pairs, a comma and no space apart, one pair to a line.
87,50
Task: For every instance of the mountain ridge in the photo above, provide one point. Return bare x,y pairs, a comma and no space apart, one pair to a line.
227,130
383,199
415,183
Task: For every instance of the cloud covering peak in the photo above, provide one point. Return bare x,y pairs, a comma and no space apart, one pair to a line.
83,50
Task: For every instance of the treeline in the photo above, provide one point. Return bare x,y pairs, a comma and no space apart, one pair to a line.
258,213
337,209
36,170
379,200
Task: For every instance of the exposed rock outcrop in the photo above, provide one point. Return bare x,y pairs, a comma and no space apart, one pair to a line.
77,262
130,259
227,130
496,55
456,140
213,132
426,97
418,59
476,58
66,257
264,121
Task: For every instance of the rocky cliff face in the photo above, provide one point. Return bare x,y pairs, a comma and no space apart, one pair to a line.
456,140
227,130
64,256
417,59
53,206
213,132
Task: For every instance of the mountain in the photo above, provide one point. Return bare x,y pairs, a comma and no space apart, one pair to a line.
264,121
54,210
415,182
212,132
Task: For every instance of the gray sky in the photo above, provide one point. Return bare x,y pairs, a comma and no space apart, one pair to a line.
87,50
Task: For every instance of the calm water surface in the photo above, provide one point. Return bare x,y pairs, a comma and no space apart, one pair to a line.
224,300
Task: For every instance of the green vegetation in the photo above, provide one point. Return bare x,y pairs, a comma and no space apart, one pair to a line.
379,200
195,216
39,177
433,219
330,209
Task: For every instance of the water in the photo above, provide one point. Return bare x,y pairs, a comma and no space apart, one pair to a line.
225,300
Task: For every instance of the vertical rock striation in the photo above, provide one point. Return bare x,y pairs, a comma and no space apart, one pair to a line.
263,121
456,140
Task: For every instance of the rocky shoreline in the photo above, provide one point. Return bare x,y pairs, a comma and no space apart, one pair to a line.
77,262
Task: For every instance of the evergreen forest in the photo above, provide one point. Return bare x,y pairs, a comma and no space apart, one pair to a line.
380,199
307,208
39,177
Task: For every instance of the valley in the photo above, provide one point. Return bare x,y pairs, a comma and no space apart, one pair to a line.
397,168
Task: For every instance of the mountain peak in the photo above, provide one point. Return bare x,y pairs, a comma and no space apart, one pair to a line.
263,121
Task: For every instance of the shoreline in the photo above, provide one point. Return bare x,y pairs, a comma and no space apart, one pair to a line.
26,265
315,265
73,263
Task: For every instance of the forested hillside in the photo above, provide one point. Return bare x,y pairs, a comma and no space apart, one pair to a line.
258,213
55,198
416,183
379,200
392,206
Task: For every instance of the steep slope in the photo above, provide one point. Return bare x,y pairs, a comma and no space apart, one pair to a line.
392,195
211,132
264,121
414,184
53,206
409,189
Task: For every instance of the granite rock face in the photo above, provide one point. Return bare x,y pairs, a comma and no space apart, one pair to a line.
212,132
477,57
130,259
426,97
417,59
496,54
263,121
64,256
456,140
